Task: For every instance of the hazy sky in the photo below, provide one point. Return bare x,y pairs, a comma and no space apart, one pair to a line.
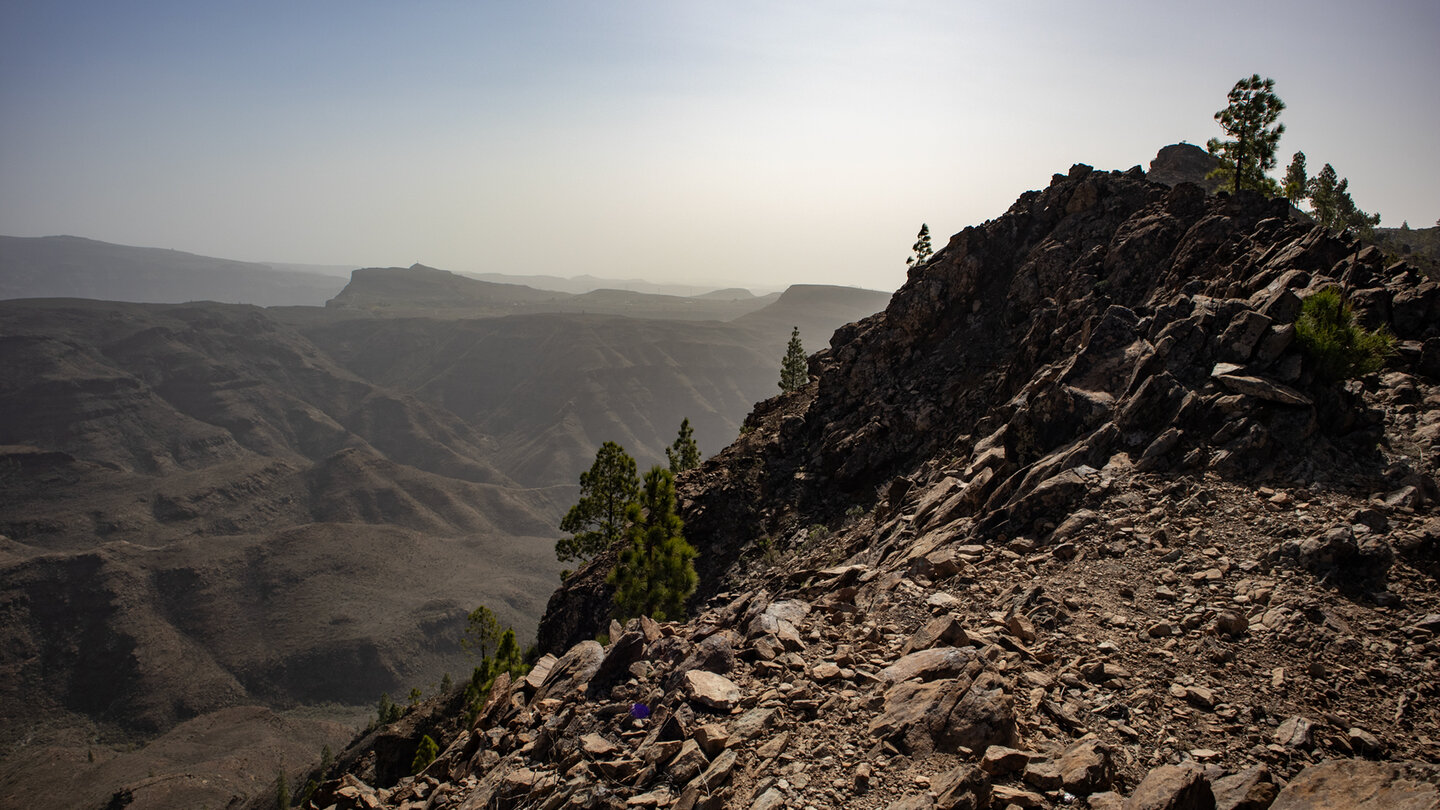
762,142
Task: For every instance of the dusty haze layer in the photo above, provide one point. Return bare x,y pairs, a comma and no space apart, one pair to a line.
754,142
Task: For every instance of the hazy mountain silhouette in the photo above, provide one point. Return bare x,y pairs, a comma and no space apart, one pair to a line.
72,267
427,292
585,283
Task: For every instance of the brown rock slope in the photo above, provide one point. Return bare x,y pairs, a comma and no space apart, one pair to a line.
1071,523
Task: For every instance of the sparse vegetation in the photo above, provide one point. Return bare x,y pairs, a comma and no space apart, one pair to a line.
597,521
769,554
1339,348
387,711
656,571
794,369
684,454
1419,247
1250,122
483,635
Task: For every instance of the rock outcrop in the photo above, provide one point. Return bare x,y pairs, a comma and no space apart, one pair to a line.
1184,163
1072,523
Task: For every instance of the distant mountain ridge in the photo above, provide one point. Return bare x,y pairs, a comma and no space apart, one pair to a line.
585,283
75,267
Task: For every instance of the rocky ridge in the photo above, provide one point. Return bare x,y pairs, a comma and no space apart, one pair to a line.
1071,523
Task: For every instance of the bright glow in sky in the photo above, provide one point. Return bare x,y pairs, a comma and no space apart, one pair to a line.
750,141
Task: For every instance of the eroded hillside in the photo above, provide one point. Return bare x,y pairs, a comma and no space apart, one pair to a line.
210,506
201,509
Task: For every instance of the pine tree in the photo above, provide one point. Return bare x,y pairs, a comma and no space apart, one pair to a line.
794,369
1324,199
425,754
387,711
482,631
1333,207
1250,119
1297,182
656,571
507,655
1353,219
921,248
684,454
597,521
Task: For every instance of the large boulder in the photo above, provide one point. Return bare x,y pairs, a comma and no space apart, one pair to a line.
1087,767
572,673
947,714
1357,784
1173,787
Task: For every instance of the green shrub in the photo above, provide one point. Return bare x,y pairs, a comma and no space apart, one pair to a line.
425,754
1337,347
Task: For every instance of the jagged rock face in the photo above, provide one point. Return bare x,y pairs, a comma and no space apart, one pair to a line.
1096,316
1104,314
